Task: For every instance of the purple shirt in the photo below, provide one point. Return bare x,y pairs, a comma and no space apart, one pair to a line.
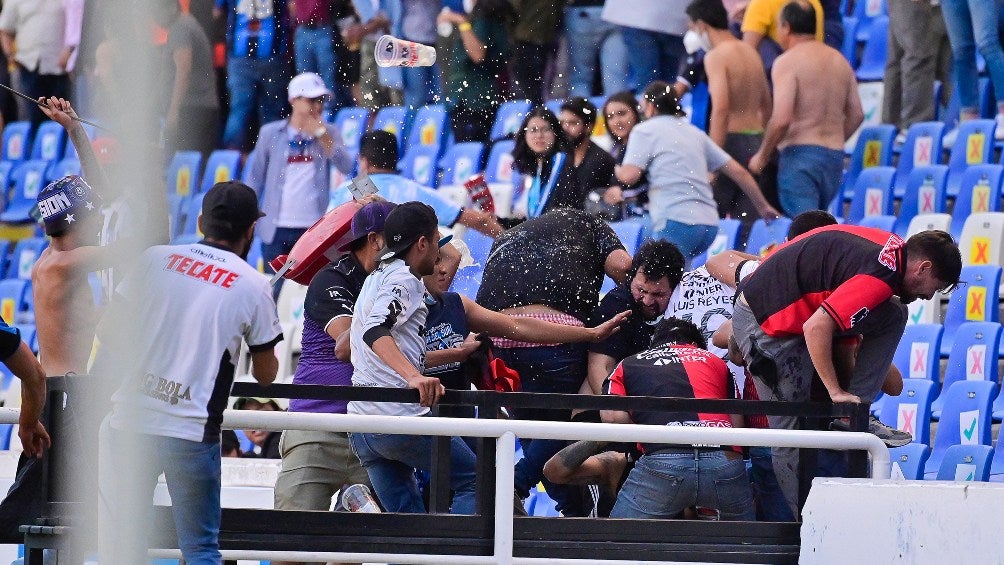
312,12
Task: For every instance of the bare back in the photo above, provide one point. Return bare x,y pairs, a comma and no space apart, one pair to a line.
826,107
65,315
746,85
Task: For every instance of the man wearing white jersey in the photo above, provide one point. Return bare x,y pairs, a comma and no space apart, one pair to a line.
198,302
388,350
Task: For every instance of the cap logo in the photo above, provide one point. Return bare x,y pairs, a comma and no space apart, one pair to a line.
54,204
397,237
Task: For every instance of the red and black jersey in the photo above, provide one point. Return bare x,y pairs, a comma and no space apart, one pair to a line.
846,270
673,371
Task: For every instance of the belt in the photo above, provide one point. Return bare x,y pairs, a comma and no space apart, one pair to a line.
697,451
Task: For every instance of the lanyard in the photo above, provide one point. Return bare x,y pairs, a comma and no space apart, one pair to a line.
538,197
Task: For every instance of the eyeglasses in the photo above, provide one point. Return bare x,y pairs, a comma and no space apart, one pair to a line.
539,130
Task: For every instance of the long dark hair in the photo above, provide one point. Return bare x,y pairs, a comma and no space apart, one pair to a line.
660,94
627,98
524,160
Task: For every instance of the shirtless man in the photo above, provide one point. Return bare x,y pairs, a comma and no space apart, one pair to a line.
816,108
740,101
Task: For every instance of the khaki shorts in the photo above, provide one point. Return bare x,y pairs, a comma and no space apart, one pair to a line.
315,465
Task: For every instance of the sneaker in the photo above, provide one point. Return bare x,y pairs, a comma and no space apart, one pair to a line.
949,139
891,436
900,139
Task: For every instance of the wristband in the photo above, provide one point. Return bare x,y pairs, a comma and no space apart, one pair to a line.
466,26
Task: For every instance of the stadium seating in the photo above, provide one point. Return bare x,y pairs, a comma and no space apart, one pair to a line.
508,118
763,236
965,420
924,193
884,222
631,234
921,148
997,464
974,145
60,169
460,162
49,142
873,148
849,47
351,125
966,463
982,239
872,195
184,172
911,410
499,167
193,207
728,233
5,247
71,152
13,299
480,245
28,179
29,335
16,142
419,164
467,281
974,301
973,357
919,352
255,258
23,257
429,127
222,165
909,461
391,119
873,58
979,191
866,11
922,222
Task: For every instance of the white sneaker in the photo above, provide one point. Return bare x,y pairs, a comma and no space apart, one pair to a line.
900,139
949,139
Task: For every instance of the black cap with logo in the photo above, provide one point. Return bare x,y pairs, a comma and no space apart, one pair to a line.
405,225
229,208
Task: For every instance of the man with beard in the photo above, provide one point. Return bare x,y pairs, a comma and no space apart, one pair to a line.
593,167
655,272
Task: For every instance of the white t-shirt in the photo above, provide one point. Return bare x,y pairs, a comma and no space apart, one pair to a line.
297,207
199,301
392,298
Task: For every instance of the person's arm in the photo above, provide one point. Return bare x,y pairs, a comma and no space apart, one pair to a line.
752,38
598,368
24,365
780,118
8,45
62,112
853,113
718,90
343,346
483,222
264,365
334,149
723,265
628,174
475,48
182,58
819,330
617,265
579,464
457,354
430,390
615,417
496,324
744,179
93,258
337,328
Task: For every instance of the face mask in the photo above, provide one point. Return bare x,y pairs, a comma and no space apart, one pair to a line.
692,42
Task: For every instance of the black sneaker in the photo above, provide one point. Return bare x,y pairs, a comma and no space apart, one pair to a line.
891,436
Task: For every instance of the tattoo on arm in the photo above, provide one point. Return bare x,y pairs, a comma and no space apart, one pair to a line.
576,454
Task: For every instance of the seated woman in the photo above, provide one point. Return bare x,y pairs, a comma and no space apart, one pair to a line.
622,115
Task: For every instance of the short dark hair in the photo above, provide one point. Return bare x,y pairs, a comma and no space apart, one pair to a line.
582,108
711,12
941,250
523,159
800,17
659,258
660,94
808,221
380,149
675,330
627,98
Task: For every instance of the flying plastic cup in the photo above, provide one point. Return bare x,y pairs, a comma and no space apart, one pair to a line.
393,52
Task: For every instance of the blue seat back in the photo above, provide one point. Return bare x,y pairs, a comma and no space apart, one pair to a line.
255,258
974,145
764,237
509,118
849,47
728,233
16,141
873,58
884,223
12,299
997,464
49,143
468,281
499,167
979,191
193,207
975,301
480,246
64,167
910,459
919,352
5,249
873,148
866,11
222,165
872,194
965,419
419,164
428,129
184,172
924,194
29,335
25,253
973,357
71,152
351,125
391,119
911,410
461,161
28,179
921,148
966,463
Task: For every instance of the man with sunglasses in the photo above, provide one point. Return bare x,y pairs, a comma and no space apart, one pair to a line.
289,168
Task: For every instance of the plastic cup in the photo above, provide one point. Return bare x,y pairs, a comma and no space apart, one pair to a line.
393,52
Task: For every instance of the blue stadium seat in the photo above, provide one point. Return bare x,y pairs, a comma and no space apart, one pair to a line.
193,207
26,251
554,105
467,281
924,194
998,406
872,194
28,179
222,165
975,301
480,246
255,258
866,11
461,161
509,117
631,234
973,358
979,191
49,143
6,431
499,167
873,148
965,419
391,119
910,459
13,299
849,47
873,58
71,152
997,464
176,212
700,101
974,145
16,141
419,164
763,236
351,124
184,172
6,168
884,223
911,410
921,148
728,233
429,127
966,463
29,335
918,354
62,168
5,248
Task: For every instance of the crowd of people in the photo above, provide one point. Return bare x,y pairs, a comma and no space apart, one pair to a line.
818,318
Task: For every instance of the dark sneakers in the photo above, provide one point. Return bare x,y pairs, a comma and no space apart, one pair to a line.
891,436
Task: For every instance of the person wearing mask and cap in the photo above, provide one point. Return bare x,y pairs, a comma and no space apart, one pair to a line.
315,465
264,444
290,167
173,332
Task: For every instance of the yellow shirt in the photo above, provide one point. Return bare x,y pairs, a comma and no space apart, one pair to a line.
762,17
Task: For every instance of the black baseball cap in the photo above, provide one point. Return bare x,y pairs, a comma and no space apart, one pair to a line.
229,208
370,218
405,225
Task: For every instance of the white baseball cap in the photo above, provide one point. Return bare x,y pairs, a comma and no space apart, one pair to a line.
307,85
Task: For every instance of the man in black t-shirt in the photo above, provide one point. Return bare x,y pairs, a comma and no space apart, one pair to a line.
592,166
655,272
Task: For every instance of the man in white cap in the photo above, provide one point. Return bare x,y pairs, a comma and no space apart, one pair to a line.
290,166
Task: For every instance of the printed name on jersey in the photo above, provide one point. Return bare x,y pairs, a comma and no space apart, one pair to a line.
206,272
665,356
887,257
197,250
859,316
163,389
701,424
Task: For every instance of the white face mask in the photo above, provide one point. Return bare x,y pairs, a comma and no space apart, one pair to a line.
692,42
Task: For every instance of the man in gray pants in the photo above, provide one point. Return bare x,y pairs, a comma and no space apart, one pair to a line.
833,283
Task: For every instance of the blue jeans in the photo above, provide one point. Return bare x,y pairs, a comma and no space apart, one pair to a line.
692,240
972,25
654,56
663,485
588,36
129,466
254,84
390,461
771,504
314,51
421,86
808,177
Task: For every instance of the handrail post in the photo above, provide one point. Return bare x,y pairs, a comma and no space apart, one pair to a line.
505,459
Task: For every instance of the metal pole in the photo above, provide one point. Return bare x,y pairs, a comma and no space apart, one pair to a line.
505,460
